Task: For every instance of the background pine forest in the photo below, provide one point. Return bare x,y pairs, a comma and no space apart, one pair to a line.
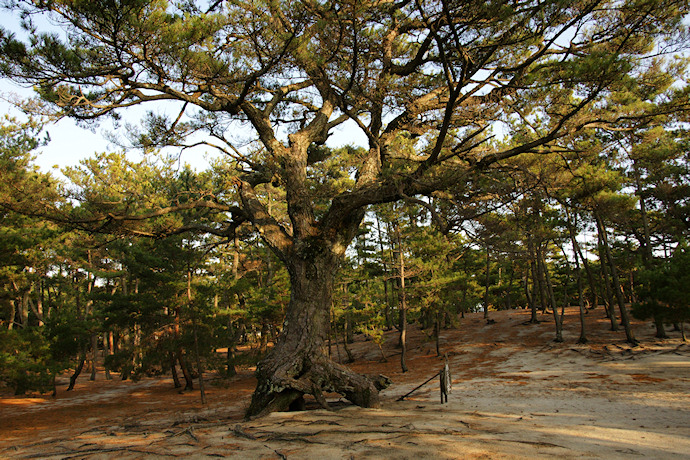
603,226
521,155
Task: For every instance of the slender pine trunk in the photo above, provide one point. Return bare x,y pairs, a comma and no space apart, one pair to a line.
486,287
608,296
540,279
647,254
558,319
578,273
199,367
106,353
94,355
403,301
77,370
625,319
173,370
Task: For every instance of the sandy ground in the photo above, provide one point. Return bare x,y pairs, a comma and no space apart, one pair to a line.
516,394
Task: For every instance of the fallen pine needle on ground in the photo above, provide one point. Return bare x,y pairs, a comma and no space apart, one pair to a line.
516,394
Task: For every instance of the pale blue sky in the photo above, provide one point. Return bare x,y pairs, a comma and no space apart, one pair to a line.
69,143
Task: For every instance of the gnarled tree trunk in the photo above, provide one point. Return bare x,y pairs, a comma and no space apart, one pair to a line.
299,363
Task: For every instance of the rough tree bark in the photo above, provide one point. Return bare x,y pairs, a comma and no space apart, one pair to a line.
298,364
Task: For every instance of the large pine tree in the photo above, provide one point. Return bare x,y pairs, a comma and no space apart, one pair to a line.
425,81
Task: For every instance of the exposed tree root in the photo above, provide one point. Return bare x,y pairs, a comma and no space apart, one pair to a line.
284,382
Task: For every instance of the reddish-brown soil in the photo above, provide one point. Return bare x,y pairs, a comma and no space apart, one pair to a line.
517,394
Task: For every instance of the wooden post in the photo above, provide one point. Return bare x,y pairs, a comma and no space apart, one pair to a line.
445,380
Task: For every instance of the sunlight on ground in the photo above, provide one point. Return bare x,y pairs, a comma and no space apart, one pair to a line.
23,402
512,398
619,437
677,364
